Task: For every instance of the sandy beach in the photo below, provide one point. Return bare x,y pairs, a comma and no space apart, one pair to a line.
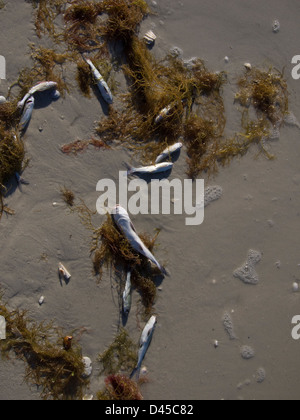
259,210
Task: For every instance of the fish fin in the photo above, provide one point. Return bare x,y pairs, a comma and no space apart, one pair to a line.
133,228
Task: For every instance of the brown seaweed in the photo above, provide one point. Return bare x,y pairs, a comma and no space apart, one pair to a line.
48,365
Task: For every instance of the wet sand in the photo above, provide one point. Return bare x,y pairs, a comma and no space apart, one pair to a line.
259,210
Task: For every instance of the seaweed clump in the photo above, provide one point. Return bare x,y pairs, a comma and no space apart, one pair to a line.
199,135
164,98
118,359
58,372
82,31
68,196
47,66
46,12
120,388
12,154
124,18
267,92
79,146
120,356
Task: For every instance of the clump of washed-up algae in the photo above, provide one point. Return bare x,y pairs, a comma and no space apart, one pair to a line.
117,361
56,371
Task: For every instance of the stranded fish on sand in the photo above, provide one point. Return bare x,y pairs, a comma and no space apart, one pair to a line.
145,341
166,154
153,169
101,83
122,220
27,113
40,87
127,295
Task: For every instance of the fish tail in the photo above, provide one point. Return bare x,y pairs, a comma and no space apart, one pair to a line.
164,271
129,168
136,371
84,57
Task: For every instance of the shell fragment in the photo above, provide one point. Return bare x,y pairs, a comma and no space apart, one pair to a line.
276,26
63,272
87,367
150,38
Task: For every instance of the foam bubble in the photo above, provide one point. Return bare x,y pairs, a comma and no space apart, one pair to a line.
247,352
211,194
254,257
260,375
228,325
247,272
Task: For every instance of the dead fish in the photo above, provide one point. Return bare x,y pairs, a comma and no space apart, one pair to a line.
101,83
122,220
127,295
27,113
168,152
40,87
153,169
145,341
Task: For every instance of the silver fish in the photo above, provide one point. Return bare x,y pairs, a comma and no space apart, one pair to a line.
127,295
153,169
168,152
101,83
27,113
145,341
122,220
40,87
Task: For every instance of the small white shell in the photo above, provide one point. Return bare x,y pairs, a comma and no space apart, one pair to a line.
150,37
63,272
88,397
226,59
87,367
2,100
248,66
276,26
144,371
41,300
216,344
295,287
